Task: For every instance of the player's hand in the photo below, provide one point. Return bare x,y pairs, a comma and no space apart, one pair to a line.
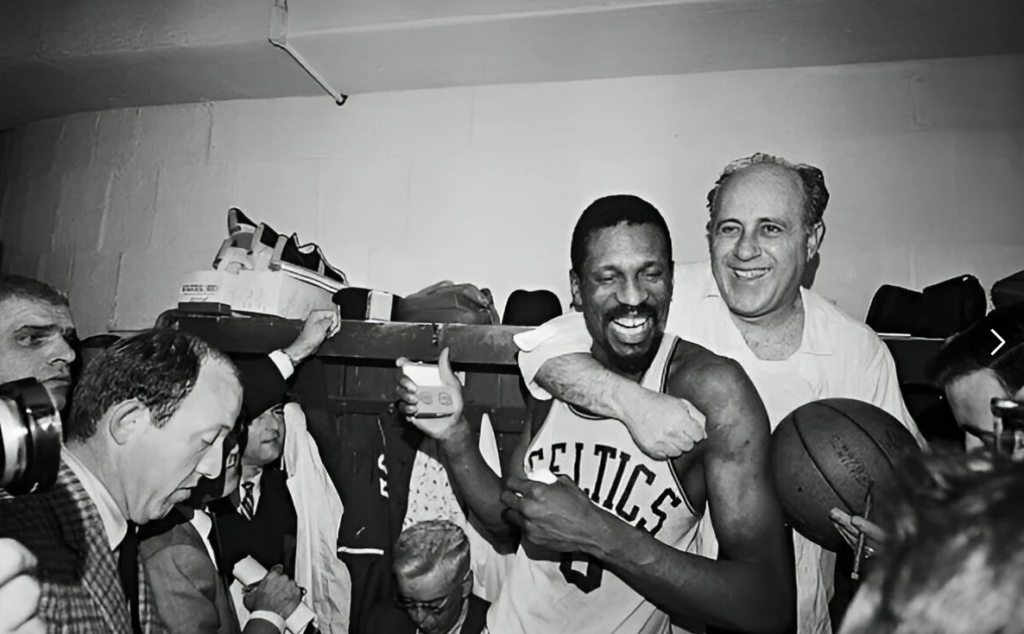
19,590
441,428
851,526
558,516
320,325
664,426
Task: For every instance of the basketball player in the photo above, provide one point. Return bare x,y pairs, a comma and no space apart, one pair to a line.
608,547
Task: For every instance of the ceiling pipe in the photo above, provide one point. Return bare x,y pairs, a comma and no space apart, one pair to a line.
279,38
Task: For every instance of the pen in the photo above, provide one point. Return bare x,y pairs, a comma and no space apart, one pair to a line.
855,575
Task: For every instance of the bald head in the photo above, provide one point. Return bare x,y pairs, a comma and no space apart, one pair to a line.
775,181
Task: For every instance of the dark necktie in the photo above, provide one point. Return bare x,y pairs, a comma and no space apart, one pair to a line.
218,557
248,500
128,570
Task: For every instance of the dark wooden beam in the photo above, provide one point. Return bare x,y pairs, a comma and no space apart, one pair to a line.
356,340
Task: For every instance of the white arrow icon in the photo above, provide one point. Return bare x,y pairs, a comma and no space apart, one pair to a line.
1002,341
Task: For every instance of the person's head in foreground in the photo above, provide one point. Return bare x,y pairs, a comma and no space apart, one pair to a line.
985,361
765,228
431,566
150,418
621,279
954,561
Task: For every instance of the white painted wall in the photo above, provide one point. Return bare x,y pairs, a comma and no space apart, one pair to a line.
925,162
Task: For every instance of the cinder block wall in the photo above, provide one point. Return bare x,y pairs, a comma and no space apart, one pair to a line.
925,162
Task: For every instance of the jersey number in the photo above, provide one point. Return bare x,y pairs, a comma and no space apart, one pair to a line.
588,581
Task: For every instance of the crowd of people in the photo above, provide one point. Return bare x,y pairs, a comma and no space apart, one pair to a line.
637,501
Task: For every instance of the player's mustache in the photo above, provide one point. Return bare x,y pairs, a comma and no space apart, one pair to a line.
642,312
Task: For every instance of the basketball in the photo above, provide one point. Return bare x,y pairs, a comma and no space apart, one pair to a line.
826,454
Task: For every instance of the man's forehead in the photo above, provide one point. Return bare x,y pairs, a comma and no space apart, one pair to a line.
762,190
18,312
626,244
435,580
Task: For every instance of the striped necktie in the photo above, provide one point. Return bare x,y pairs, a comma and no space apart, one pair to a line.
247,499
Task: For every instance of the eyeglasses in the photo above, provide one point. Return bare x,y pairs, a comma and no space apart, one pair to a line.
431,606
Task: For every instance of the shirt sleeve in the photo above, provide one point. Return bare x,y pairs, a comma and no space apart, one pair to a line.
877,383
562,335
274,619
283,363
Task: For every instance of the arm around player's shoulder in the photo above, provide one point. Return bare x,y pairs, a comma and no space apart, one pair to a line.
719,387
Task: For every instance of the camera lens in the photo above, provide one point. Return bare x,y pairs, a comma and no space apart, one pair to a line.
30,437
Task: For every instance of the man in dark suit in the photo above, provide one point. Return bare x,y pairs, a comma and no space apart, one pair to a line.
431,566
149,420
286,510
182,557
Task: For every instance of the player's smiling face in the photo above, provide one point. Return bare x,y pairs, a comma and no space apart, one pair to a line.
625,290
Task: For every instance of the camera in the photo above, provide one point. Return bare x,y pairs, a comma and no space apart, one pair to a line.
30,437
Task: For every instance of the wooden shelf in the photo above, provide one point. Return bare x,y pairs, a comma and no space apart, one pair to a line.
357,340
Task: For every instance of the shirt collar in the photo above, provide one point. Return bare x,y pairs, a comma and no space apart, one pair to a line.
255,480
815,339
114,523
202,523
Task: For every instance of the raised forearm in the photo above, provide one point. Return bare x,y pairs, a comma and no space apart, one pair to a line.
474,480
733,595
580,380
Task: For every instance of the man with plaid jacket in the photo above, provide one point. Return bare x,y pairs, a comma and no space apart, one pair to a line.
149,419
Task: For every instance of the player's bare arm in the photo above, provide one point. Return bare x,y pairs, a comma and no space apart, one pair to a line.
662,426
751,587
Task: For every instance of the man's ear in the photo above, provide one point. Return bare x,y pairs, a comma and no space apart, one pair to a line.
126,419
577,293
814,239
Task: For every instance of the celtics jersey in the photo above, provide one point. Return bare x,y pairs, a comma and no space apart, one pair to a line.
552,593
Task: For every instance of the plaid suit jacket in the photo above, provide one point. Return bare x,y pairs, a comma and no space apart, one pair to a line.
81,590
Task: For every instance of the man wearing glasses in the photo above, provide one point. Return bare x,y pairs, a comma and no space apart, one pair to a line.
431,566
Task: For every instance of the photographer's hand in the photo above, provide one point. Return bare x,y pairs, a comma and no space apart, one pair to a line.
19,591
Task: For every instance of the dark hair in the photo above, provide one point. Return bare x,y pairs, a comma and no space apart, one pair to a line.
20,287
954,558
816,195
157,367
612,211
971,350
